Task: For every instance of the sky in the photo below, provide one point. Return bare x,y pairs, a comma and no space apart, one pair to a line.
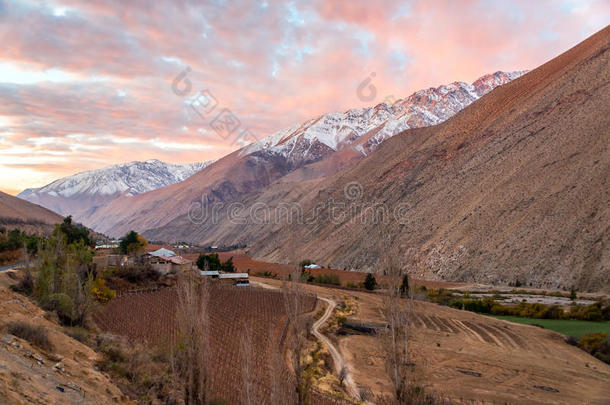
87,84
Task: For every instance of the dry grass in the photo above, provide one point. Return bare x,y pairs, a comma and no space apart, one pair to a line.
35,334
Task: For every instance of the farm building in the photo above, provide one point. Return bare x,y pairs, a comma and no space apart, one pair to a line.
213,274
162,252
168,264
239,279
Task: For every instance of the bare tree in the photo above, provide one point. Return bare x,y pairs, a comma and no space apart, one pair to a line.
191,359
296,337
342,374
278,375
245,352
397,311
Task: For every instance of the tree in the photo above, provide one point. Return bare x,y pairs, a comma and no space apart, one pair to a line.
296,337
190,361
132,243
370,282
228,266
573,293
73,232
397,312
247,363
210,262
64,277
404,287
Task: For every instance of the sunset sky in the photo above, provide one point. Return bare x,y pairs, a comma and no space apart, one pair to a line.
87,84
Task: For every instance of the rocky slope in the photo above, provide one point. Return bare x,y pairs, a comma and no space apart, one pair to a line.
515,186
313,149
66,374
74,195
18,214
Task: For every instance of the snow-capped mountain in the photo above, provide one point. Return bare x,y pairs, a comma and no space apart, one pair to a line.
365,128
78,193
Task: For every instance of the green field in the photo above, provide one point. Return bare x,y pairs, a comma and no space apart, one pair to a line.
568,327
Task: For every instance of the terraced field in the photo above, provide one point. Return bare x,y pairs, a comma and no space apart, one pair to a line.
470,358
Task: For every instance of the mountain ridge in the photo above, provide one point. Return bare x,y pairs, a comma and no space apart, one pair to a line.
80,192
314,148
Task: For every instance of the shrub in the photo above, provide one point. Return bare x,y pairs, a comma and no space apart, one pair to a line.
138,273
78,333
592,341
101,292
370,282
327,279
265,273
35,334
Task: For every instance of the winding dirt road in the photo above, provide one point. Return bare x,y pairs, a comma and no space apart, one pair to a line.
338,360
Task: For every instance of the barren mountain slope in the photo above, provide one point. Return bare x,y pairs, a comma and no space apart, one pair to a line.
20,214
513,186
315,148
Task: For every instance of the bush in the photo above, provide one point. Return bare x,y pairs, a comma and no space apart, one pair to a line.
592,341
101,292
138,273
35,334
78,333
265,273
327,279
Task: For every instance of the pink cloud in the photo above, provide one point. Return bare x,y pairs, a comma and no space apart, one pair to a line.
272,66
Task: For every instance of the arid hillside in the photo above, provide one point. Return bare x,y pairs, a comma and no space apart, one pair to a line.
16,213
512,187
63,373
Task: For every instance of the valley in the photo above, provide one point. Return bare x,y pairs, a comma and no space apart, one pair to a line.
305,202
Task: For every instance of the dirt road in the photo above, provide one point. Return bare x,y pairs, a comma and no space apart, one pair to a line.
338,360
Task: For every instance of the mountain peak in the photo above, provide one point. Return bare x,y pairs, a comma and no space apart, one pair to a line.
88,189
313,139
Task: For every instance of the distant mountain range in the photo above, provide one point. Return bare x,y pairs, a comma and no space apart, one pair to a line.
314,149
365,128
513,187
76,194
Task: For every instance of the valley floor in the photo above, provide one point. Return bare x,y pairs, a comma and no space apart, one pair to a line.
473,358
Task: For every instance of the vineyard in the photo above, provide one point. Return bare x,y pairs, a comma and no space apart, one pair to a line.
150,317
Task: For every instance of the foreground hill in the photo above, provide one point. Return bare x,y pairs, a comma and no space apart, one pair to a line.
313,149
19,214
514,187
76,194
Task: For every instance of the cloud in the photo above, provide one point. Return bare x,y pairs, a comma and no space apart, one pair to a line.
84,84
